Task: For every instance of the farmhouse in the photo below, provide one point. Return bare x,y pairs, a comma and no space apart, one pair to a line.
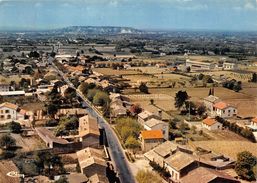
209,102
206,175
89,131
155,124
179,165
229,66
9,112
160,152
150,139
146,115
211,124
225,110
91,162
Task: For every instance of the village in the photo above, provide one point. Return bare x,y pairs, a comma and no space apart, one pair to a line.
83,113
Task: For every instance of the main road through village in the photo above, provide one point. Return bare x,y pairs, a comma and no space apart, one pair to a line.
116,151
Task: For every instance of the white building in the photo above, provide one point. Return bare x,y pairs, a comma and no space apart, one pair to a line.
146,115
209,102
10,112
225,110
211,124
229,66
199,65
155,124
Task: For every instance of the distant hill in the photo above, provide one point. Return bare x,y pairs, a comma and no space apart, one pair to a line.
98,30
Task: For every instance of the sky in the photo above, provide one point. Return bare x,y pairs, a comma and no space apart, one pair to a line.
239,15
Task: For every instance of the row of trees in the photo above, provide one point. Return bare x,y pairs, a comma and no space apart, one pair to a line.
237,129
182,100
233,85
246,166
129,130
96,96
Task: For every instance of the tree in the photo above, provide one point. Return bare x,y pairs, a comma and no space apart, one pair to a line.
254,78
28,70
101,98
180,99
91,93
125,133
200,76
7,141
135,109
146,176
210,92
245,164
152,101
143,88
132,143
34,54
188,69
70,94
201,110
14,127
52,109
83,87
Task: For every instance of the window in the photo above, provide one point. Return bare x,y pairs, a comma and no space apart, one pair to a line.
229,111
8,116
7,111
2,116
234,110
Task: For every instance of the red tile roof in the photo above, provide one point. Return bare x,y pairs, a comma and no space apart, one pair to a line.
209,121
221,105
254,120
152,134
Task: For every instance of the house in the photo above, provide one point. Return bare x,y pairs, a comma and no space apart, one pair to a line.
229,66
146,115
4,87
161,65
50,139
161,152
10,112
254,122
180,164
224,110
209,102
155,124
97,178
91,162
211,124
89,131
206,175
77,178
150,139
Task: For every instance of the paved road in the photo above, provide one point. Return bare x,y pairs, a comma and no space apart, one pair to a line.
116,151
